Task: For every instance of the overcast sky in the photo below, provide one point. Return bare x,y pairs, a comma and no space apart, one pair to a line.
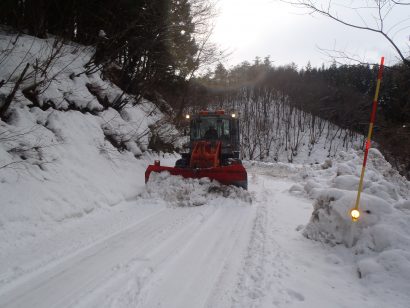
250,28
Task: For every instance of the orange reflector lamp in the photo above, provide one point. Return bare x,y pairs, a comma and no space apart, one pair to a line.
355,213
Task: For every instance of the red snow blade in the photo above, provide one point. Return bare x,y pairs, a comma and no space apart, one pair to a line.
234,174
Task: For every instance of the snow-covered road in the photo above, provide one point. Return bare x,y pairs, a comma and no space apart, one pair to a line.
231,254
79,228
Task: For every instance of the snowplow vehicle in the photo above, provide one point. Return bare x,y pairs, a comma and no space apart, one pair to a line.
213,151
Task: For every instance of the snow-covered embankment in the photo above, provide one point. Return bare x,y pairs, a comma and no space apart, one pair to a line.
62,153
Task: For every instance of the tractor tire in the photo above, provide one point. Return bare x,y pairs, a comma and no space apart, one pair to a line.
181,163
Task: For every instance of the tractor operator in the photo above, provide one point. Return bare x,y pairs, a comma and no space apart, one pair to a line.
211,133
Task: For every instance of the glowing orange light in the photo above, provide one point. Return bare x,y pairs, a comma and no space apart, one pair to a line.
355,214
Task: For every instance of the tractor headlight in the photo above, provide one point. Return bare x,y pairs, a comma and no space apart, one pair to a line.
187,116
233,115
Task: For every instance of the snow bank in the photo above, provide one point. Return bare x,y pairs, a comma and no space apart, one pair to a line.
67,155
177,191
282,170
380,240
331,221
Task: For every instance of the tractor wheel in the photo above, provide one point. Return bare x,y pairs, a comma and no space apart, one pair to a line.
181,163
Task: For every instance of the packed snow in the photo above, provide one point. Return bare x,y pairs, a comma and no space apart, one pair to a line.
79,227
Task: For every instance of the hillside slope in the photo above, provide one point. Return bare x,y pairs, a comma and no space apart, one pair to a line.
62,153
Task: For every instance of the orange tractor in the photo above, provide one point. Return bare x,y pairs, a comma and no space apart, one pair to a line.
213,151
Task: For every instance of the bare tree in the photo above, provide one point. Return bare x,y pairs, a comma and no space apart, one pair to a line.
374,16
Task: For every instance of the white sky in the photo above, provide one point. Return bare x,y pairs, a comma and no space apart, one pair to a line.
250,28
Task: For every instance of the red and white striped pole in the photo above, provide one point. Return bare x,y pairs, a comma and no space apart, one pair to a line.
355,213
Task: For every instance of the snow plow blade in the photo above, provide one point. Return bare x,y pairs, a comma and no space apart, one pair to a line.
234,174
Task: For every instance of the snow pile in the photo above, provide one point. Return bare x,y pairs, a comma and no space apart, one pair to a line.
381,238
64,155
177,191
279,169
331,222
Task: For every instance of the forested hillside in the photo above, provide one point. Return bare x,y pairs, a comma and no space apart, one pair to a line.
148,48
159,50
341,94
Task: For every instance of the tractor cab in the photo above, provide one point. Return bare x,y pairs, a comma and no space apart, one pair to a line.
213,151
216,126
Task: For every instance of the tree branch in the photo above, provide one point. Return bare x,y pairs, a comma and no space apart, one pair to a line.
308,4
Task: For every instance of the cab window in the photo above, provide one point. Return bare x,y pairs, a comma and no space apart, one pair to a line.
210,128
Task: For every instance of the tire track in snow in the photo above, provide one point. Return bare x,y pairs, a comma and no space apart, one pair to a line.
63,284
188,276
225,286
137,274
260,282
250,289
18,266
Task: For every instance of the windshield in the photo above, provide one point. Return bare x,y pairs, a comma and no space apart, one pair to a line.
210,128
